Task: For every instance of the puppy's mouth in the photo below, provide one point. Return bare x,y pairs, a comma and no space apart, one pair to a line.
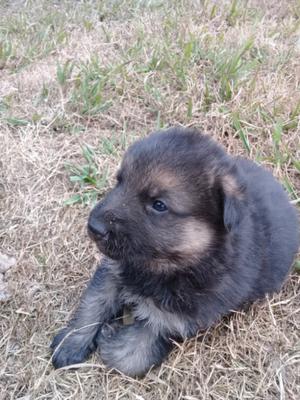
106,244
96,237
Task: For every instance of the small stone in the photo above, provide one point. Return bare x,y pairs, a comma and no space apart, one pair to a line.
5,294
6,262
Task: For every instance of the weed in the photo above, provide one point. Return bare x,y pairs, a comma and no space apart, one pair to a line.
290,188
297,266
4,107
33,37
64,72
276,136
189,112
208,97
234,13
87,178
6,52
236,122
296,164
232,68
109,146
88,92
293,121
14,121
213,11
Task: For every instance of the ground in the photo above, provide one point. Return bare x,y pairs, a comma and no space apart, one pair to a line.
79,81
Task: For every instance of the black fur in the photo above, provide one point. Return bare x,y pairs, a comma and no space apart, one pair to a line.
175,283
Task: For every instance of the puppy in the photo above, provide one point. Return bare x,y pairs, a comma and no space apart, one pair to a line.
188,234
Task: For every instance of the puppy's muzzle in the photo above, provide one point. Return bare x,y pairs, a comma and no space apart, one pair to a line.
97,229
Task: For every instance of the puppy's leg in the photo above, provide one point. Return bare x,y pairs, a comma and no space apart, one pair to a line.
132,349
98,304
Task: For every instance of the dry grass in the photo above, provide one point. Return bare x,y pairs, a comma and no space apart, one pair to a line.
101,74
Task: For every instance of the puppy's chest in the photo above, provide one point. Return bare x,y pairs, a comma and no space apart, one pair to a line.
160,298
143,308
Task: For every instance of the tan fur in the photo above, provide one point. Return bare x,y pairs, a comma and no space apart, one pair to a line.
161,180
165,179
196,237
231,188
158,320
163,265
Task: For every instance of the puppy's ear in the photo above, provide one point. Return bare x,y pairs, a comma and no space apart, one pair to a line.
234,201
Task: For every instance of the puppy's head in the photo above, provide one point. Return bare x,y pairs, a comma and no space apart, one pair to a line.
177,195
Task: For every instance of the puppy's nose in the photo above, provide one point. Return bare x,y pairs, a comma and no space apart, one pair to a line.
97,228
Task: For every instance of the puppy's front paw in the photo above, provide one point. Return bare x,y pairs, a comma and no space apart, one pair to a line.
70,347
117,350
131,349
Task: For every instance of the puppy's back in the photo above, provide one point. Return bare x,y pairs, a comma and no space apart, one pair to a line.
276,218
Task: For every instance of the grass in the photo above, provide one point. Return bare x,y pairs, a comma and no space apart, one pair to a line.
87,177
79,81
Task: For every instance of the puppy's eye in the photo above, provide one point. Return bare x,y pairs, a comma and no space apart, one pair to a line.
159,206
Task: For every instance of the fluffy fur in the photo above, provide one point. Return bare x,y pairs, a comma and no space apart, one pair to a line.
222,235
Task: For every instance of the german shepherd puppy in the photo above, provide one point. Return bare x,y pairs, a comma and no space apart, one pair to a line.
188,234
